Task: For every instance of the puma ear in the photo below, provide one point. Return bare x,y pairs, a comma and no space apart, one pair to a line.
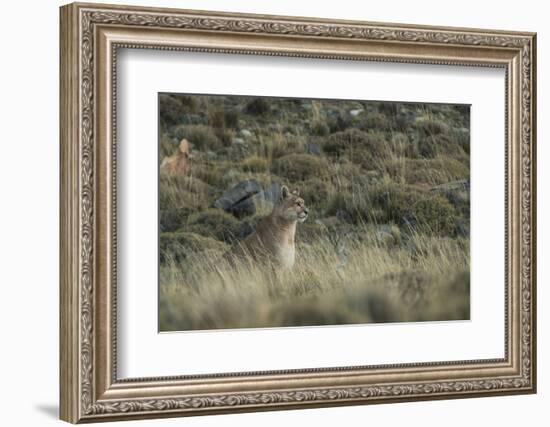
296,193
184,146
284,192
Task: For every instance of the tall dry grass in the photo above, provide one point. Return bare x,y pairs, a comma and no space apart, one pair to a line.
361,278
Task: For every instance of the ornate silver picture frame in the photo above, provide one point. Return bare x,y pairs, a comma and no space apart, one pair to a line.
91,35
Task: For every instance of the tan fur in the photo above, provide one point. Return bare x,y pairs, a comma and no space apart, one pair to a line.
273,240
177,163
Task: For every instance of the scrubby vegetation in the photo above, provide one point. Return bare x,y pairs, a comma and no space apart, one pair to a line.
387,186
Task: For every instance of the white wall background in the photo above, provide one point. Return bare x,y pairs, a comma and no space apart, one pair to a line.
29,171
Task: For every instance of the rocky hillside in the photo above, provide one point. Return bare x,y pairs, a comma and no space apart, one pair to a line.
399,166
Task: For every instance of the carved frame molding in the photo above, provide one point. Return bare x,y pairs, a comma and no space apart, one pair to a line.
90,37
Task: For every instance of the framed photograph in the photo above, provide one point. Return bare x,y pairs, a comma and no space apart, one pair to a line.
266,212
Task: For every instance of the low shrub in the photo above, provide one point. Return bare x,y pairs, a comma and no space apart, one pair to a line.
173,109
258,106
390,109
276,144
376,121
255,164
404,205
316,191
176,192
319,128
430,127
300,167
174,219
427,171
213,223
167,146
182,246
367,149
339,122
440,144
201,137
212,173
433,214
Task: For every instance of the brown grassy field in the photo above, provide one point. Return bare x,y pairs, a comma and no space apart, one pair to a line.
387,185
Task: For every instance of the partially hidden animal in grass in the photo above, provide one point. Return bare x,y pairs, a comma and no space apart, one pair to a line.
177,163
273,240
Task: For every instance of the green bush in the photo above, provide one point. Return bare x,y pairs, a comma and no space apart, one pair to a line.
407,205
315,191
176,192
258,106
174,219
339,122
173,109
299,167
255,164
367,149
376,121
212,173
440,144
353,208
167,146
320,128
214,223
216,117
389,108
430,127
433,214
427,171
220,117
202,137
232,119
181,246
462,137
404,205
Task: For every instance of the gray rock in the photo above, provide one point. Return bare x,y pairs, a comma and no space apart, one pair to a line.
246,133
248,197
211,155
356,112
388,234
237,194
313,148
462,184
259,202
463,228
273,193
248,206
251,205
238,141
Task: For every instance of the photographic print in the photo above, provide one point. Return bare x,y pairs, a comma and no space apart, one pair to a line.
285,212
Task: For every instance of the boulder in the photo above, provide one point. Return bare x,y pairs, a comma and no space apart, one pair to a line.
238,141
313,148
237,194
248,197
259,202
460,185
